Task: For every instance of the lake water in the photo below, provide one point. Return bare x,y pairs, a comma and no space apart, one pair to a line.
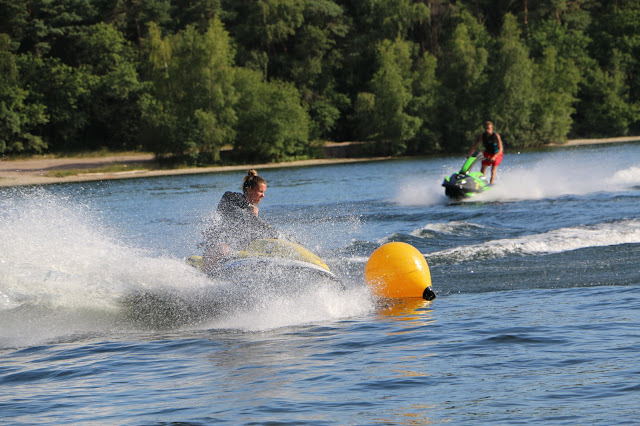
536,320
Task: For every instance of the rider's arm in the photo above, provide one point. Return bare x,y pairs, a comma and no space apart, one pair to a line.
473,148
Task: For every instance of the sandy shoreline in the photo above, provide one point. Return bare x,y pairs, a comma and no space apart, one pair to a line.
34,171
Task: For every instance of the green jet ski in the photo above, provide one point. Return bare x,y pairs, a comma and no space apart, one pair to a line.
465,183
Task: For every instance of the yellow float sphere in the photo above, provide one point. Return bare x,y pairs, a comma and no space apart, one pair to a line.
397,270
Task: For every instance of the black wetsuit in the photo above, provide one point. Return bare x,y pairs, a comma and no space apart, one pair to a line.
237,226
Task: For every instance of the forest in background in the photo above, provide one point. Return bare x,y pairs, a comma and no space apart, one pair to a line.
275,79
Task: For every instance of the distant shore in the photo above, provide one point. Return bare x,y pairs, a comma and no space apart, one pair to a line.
36,170
575,142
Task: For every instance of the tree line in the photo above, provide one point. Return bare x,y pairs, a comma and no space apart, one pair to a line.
275,78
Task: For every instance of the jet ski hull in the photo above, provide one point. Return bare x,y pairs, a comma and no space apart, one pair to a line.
460,186
271,263
465,183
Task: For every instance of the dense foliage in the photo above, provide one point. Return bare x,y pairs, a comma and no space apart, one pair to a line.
183,78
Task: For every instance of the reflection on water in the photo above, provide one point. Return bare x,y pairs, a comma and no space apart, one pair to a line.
410,309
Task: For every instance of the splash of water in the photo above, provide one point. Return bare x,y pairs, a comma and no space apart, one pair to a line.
552,176
629,177
559,176
63,272
417,192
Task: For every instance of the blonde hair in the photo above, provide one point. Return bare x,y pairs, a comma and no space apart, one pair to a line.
252,180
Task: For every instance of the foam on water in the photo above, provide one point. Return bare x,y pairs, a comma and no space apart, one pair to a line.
453,227
314,306
555,241
629,177
63,272
558,176
418,192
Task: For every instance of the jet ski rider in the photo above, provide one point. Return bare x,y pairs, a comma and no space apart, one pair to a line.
237,223
492,150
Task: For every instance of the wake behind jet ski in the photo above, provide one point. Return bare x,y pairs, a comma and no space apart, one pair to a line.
264,270
465,183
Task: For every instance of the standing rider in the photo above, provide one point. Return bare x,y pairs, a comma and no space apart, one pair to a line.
492,150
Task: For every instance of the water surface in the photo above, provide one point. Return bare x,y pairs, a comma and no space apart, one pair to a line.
536,318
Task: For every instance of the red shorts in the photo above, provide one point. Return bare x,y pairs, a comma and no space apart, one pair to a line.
495,162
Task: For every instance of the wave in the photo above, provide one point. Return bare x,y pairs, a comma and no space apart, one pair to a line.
457,228
556,241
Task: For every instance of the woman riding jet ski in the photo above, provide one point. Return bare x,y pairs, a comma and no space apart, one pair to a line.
244,248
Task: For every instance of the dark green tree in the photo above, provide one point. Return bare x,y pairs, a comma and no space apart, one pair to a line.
510,96
131,17
616,50
83,74
53,25
272,123
18,117
429,32
191,108
65,92
297,41
107,61
315,60
14,18
606,108
555,81
390,123
263,30
424,104
560,54
466,98
372,22
193,12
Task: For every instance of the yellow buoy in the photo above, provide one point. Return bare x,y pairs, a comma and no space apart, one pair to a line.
397,270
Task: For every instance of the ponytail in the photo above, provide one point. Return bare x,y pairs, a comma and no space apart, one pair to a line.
252,180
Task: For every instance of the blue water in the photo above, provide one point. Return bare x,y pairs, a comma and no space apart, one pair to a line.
536,319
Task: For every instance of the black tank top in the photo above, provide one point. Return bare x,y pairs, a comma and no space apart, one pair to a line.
490,142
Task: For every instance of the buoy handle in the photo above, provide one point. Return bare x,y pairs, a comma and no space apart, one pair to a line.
428,294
